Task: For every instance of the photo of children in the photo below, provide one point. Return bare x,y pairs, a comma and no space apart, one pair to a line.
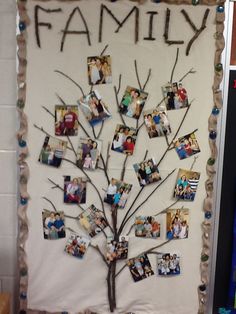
175,96
186,185
147,227
92,220
147,172
53,225
168,264
157,123
99,70
187,146
66,120
74,190
177,223
77,245
93,108
52,152
140,267
117,193
88,153
124,139
117,249
133,102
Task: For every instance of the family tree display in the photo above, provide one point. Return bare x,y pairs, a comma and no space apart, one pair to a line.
117,156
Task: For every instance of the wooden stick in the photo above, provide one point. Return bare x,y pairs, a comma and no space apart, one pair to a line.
137,75
73,81
103,51
176,61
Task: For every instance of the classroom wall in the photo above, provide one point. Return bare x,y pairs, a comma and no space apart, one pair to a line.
8,126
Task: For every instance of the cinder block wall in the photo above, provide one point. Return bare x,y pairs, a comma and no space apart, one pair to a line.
8,169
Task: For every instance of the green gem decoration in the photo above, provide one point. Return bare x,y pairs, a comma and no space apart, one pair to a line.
218,67
211,161
23,272
20,103
195,2
204,258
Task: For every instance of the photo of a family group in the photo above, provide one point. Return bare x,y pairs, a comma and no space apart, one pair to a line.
177,223
66,120
117,193
187,146
168,264
132,102
99,70
52,152
53,225
186,185
147,172
140,267
93,108
92,220
77,245
74,190
124,139
117,249
157,123
147,227
175,95
88,153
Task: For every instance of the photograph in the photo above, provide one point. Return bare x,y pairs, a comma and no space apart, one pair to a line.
52,152
186,146
117,193
186,185
157,123
99,70
133,102
93,108
140,267
168,264
177,223
117,249
88,153
147,172
53,225
175,96
92,220
77,245
66,120
124,139
147,227
74,190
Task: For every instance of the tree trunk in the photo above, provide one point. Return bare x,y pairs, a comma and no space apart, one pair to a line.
111,286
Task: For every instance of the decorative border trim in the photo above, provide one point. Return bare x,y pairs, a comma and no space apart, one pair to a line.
23,149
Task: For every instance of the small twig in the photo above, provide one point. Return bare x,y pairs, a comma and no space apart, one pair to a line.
119,85
164,210
124,168
105,169
173,70
194,161
137,76
96,247
41,129
65,75
147,80
48,111
118,106
145,155
167,140
49,201
91,89
72,146
61,100
108,155
56,185
94,134
100,131
103,51
191,71
81,125
131,228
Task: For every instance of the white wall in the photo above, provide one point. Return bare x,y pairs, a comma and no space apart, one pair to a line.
8,126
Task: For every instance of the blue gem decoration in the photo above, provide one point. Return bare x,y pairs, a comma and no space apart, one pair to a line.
22,143
220,9
212,135
22,26
23,201
156,1
23,295
215,111
22,312
208,215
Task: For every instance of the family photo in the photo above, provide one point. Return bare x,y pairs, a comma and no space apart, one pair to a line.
53,225
186,185
147,172
175,96
157,123
124,139
93,108
140,267
186,146
88,153
117,249
77,245
92,220
99,70
168,264
52,152
132,102
74,190
66,120
177,223
117,193
147,227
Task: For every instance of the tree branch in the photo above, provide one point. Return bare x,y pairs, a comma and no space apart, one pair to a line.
73,81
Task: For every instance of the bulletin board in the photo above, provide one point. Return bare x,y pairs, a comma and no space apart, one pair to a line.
119,103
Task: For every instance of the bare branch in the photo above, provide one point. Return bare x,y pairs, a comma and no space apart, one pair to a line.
173,70
96,247
73,81
191,71
124,168
147,80
103,51
137,75
118,106
49,201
